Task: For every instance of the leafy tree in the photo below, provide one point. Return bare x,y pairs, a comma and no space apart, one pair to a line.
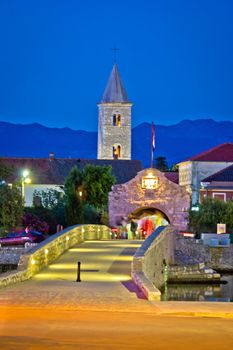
10,206
97,182
175,168
104,218
48,205
5,171
228,216
73,199
161,164
211,212
91,214
86,194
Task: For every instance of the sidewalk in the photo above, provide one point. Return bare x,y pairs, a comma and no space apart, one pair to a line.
106,286
197,309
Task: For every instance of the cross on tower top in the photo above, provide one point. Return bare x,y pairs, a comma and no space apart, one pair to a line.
115,49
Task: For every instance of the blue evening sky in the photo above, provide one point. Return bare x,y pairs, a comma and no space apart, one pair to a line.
175,59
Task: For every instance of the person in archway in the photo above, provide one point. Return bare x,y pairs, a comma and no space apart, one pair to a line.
133,228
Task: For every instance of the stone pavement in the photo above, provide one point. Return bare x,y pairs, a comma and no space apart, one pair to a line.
106,285
106,282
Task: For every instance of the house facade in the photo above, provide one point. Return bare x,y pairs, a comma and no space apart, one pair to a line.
194,170
218,186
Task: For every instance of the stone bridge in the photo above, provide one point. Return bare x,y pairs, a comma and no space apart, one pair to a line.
49,271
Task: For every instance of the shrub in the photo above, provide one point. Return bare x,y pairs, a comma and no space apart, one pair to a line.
35,223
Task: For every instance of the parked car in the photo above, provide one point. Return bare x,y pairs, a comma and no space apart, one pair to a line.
22,238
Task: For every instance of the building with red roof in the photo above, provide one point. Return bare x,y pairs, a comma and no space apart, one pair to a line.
194,170
218,186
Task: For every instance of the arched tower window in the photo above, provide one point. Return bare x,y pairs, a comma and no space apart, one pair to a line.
116,120
116,150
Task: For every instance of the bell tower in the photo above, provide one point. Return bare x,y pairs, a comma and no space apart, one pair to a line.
114,124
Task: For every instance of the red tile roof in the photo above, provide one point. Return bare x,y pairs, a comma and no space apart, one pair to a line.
172,176
224,175
220,153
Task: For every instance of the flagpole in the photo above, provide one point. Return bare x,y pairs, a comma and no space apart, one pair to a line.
151,152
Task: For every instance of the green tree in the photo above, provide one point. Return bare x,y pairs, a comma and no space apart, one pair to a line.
211,212
228,216
104,218
175,168
97,182
161,163
73,199
5,171
10,206
91,214
86,194
48,205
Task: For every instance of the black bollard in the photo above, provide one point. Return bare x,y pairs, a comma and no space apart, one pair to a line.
78,272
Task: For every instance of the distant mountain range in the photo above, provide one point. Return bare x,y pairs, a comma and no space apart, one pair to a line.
175,142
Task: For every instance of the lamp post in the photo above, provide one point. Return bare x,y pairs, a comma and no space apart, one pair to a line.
25,180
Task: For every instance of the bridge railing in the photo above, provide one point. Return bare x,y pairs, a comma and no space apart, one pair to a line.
150,260
49,250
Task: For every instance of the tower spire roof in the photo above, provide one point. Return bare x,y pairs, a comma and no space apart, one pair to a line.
114,91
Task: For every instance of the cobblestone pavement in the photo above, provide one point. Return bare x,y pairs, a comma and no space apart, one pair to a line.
106,283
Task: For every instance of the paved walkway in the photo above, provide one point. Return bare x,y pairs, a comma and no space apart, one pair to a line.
106,285
106,282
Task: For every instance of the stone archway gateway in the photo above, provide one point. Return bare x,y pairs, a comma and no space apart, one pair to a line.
148,211
149,190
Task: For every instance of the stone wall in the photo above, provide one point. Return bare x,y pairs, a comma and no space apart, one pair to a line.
150,262
46,252
190,251
170,198
198,273
11,255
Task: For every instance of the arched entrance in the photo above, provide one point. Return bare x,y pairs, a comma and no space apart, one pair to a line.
150,193
147,219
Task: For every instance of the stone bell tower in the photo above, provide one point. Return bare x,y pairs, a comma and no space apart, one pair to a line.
114,125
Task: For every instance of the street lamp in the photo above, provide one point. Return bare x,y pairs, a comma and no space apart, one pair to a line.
25,180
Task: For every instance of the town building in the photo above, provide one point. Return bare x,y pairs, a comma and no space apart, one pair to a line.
194,170
50,173
218,186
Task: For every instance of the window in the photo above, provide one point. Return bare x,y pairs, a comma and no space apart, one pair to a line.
116,120
116,150
219,196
